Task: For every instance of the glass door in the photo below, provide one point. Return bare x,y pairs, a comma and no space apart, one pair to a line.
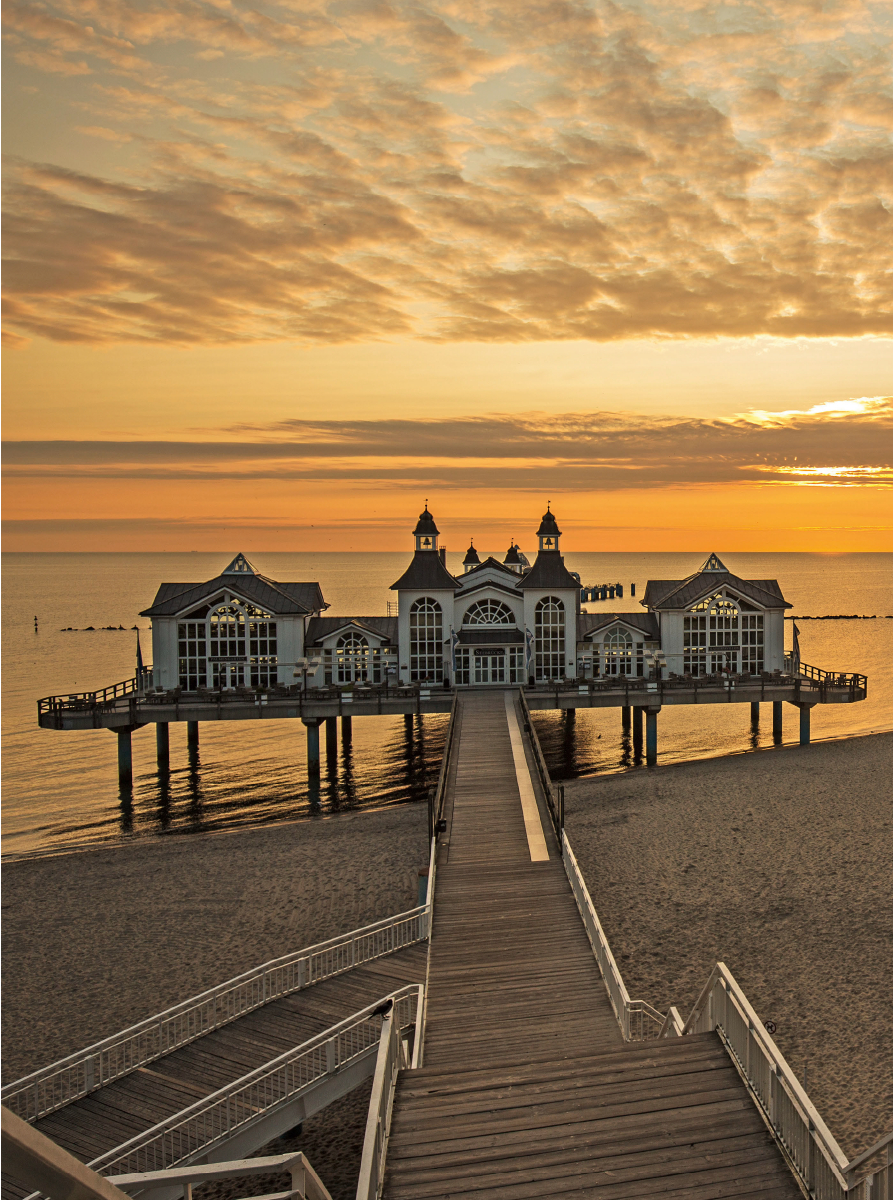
489,666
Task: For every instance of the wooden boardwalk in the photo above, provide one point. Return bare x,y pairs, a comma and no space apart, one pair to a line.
121,1110
527,1087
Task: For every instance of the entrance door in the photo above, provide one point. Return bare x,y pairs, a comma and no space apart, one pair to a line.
489,666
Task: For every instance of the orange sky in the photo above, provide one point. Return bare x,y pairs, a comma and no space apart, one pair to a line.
277,273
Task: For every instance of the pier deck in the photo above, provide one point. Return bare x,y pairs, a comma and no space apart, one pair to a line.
527,1088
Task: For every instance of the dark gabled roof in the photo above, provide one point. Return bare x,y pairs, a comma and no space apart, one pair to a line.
548,571
646,623
280,598
491,637
683,593
508,589
323,627
493,563
425,573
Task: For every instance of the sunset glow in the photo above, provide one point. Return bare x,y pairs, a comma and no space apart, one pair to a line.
277,272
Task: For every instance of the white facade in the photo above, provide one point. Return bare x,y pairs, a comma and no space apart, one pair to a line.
239,630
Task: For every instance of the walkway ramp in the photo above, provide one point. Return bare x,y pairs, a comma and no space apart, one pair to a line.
527,1087
125,1108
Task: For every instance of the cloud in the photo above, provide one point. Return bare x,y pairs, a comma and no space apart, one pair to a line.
830,446
507,170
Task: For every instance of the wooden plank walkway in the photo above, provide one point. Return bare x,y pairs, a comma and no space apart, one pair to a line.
527,1087
129,1106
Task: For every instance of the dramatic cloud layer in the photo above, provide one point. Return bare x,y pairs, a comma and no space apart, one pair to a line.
848,444
509,170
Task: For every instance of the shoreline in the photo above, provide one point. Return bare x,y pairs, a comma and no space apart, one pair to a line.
10,858
775,868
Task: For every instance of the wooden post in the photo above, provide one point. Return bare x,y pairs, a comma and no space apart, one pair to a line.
625,717
777,719
346,730
125,759
192,735
755,712
805,712
637,730
332,741
407,720
162,745
651,736
312,746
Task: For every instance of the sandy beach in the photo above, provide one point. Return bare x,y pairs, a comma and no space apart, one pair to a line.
97,940
778,864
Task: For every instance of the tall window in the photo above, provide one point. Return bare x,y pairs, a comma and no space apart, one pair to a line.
549,638
618,649
193,655
425,640
233,644
715,635
694,645
489,612
352,658
752,642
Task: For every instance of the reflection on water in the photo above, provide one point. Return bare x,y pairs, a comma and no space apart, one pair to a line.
589,741
245,776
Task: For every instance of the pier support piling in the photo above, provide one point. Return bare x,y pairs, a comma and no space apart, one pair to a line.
408,720
192,735
651,736
777,719
331,740
162,745
625,717
755,713
638,730
805,712
125,759
312,747
346,730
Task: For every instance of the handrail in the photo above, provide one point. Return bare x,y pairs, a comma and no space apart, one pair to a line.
843,679
392,1056
215,1119
808,1144
60,1083
440,789
631,1014
305,1183
885,1143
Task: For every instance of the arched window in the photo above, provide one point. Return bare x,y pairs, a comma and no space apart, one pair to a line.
235,644
425,640
712,637
550,638
489,612
618,648
352,658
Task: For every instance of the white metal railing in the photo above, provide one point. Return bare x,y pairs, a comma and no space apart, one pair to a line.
393,1055
638,1020
305,1183
70,1078
217,1118
806,1140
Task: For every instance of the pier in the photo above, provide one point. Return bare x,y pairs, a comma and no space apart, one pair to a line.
507,1056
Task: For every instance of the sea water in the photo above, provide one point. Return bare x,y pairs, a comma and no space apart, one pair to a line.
61,788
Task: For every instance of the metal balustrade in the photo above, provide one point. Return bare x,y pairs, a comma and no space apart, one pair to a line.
638,1020
217,1119
70,1078
836,679
808,1145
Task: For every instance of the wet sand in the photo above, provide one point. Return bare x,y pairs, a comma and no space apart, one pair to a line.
778,864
